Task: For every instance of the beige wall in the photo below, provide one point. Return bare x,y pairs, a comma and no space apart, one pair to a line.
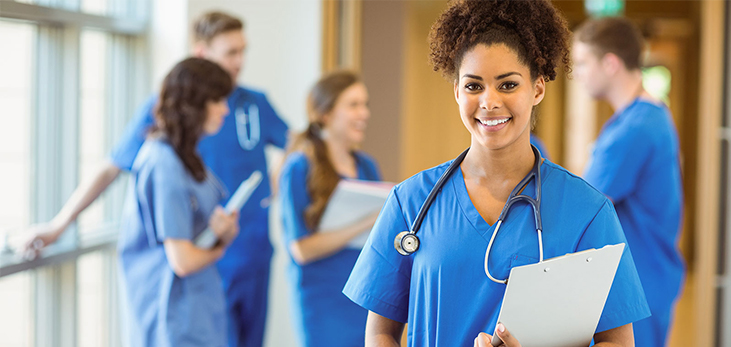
381,69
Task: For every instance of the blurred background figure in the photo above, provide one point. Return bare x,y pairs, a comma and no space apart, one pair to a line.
635,163
326,152
232,154
74,73
174,294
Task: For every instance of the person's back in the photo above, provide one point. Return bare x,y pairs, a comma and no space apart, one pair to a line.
170,286
157,298
636,163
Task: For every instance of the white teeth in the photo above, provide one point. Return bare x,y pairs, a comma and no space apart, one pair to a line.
493,122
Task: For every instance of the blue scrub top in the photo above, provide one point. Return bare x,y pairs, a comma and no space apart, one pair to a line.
165,202
323,316
442,290
636,164
232,154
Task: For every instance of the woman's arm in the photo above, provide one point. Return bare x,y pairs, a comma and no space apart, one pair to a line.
322,244
619,336
383,332
185,258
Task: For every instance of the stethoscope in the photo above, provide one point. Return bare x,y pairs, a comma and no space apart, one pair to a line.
248,139
407,242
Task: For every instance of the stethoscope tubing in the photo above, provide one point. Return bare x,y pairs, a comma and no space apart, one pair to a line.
515,196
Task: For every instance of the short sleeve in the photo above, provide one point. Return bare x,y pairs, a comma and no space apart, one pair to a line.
276,127
380,281
294,197
616,163
124,153
626,302
165,203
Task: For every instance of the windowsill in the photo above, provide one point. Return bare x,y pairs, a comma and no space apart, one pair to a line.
11,263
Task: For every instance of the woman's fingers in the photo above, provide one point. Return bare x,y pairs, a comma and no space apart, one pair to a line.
483,340
507,338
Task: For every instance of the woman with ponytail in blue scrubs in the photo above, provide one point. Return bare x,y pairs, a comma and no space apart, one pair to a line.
172,290
500,54
319,158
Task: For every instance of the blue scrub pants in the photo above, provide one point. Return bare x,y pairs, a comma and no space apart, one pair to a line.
653,331
246,301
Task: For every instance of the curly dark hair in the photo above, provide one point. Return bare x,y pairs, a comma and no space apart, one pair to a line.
182,108
533,29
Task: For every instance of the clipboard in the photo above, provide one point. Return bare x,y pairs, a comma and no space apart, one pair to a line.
559,302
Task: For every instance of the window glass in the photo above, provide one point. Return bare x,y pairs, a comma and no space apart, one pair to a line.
17,40
92,120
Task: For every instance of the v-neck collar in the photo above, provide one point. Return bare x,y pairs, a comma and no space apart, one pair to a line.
471,213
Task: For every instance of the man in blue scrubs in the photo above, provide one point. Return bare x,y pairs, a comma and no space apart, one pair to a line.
233,154
636,164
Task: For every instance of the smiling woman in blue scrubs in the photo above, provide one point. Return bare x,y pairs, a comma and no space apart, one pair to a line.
500,54
321,260
172,289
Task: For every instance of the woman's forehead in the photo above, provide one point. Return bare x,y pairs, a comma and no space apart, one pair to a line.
491,61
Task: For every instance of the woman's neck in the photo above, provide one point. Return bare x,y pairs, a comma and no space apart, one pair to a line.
511,163
342,158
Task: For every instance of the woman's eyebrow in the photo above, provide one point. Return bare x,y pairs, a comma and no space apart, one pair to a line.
472,77
508,74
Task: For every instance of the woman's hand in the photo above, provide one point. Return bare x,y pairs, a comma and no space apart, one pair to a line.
224,225
484,340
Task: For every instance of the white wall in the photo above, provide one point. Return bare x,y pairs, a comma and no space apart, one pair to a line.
283,58
168,38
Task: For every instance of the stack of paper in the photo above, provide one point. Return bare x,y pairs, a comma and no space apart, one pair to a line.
352,201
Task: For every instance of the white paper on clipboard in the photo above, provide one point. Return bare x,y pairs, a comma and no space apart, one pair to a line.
352,201
559,302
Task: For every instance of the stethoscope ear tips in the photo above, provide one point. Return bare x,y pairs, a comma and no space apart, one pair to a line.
406,243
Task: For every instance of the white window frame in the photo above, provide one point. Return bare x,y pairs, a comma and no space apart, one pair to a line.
54,149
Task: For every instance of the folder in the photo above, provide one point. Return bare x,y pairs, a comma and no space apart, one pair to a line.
352,201
559,302
207,239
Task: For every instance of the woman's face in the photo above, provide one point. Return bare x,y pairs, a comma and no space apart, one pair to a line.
496,96
217,110
349,117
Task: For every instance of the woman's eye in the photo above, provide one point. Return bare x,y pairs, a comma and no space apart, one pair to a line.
472,86
508,86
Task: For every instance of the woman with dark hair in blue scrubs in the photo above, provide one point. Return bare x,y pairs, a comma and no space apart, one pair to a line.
500,55
171,287
319,158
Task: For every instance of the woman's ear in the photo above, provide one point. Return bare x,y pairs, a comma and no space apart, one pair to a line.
540,90
456,91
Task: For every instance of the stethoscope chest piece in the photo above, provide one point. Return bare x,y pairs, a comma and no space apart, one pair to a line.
406,243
